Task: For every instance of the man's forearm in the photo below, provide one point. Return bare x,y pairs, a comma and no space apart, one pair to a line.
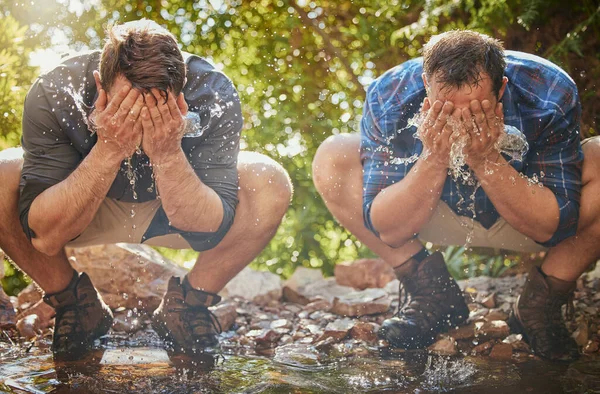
530,209
63,211
189,204
402,209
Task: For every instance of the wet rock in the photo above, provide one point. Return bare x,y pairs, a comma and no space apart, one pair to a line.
364,331
364,273
496,314
477,312
581,334
591,347
296,354
29,327
226,313
482,348
127,275
314,329
489,301
492,329
29,296
463,332
326,344
281,323
125,323
317,305
44,312
7,311
260,287
444,347
265,339
326,289
338,329
501,351
302,277
393,287
359,303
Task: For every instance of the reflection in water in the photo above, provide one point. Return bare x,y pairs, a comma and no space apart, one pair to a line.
122,367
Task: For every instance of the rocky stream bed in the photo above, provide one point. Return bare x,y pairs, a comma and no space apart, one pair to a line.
306,334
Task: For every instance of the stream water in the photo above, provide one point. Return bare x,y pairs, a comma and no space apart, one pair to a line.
124,364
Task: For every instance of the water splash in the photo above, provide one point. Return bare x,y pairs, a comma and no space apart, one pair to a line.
443,374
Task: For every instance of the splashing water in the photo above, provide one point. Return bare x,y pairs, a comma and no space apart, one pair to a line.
441,374
193,123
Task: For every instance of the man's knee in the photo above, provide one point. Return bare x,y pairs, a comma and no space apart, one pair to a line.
337,156
591,159
265,182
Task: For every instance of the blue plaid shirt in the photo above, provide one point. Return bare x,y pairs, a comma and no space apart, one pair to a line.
540,100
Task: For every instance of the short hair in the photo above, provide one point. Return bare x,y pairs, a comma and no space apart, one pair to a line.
146,54
458,57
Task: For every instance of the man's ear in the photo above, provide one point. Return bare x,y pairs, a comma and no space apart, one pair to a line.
501,91
183,107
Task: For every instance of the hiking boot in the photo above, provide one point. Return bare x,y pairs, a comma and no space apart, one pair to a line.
433,302
81,318
537,314
183,319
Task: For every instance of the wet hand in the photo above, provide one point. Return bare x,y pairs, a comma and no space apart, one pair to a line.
116,121
163,127
437,131
484,124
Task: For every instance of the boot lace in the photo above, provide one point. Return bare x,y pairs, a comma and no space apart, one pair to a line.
199,320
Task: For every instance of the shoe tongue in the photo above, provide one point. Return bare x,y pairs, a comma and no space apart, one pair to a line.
196,297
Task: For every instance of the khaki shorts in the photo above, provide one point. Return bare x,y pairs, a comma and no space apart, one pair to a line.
448,228
118,221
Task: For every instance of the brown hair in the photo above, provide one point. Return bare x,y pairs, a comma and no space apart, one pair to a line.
144,53
458,57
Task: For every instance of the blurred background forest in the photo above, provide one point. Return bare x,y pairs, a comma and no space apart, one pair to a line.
301,68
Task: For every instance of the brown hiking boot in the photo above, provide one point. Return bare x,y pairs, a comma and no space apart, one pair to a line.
183,319
537,314
433,302
81,318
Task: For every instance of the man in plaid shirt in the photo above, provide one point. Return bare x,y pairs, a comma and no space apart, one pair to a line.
472,145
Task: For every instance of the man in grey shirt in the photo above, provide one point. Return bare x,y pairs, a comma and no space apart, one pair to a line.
145,150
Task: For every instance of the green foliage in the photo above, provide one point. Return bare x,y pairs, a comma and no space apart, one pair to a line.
300,67
464,264
15,77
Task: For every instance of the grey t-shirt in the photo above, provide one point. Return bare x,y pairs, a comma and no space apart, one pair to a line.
56,138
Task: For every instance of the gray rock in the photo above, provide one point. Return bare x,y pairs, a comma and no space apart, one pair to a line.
260,287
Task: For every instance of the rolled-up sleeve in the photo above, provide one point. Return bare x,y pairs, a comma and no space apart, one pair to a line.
49,156
556,158
388,147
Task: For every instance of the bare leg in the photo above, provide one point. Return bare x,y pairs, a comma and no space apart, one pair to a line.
337,173
52,274
265,191
569,259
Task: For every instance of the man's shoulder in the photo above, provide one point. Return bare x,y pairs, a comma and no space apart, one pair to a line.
406,72
399,91
201,71
72,76
535,72
72,66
